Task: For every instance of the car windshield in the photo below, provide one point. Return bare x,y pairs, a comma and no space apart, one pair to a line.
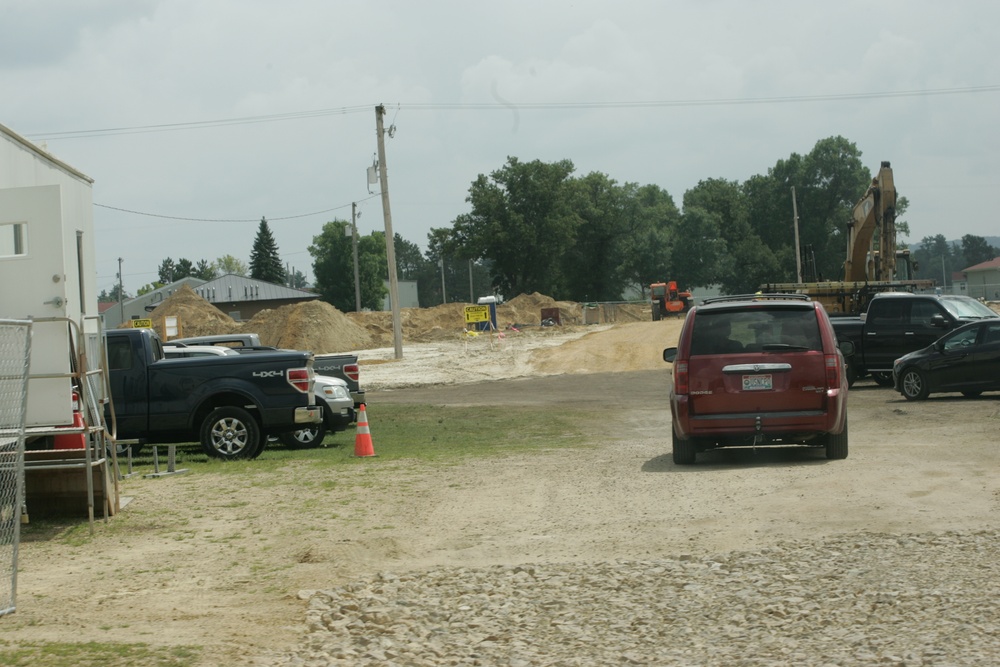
754,330
968,308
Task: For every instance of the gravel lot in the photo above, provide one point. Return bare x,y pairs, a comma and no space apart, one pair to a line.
605,553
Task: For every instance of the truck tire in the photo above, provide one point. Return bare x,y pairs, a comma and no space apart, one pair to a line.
304,438
684,450
836,444
231,433
913,385
882,378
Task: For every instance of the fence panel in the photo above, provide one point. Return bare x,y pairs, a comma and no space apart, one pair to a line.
15,350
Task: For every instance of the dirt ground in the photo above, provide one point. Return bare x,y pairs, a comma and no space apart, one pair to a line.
227,575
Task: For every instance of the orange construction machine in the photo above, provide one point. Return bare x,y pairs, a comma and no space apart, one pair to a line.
666,299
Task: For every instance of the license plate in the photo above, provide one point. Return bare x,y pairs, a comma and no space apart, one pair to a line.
756,382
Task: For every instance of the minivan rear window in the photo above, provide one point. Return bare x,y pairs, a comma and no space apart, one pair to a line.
755,330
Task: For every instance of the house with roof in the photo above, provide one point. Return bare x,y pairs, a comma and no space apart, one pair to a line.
983,280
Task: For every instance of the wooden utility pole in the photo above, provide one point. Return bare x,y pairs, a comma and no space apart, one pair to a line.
354,242
390,245
798,253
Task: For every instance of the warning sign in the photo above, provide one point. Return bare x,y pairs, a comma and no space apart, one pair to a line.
477,314
141,324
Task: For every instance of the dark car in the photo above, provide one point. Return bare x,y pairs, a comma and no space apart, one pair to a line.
757,370
966,360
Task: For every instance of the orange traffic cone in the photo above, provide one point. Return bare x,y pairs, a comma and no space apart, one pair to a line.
363,440
73,440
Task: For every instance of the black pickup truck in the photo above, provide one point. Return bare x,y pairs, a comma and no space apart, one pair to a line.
230,404
897,323
343,366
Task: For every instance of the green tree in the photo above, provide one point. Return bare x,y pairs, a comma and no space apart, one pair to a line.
409,259
166,271
976,250
111,296
333,267
204,270
937,259
520,214
184,269
650,219
147,288
227,264
699,248
297,279
265,263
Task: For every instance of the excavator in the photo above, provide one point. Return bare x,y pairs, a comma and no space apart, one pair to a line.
867,269
666,299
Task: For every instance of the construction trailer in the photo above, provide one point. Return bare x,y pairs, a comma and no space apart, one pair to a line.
48,269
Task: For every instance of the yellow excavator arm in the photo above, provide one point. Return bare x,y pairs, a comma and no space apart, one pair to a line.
875,212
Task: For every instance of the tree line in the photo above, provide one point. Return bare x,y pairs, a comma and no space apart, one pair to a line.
540,227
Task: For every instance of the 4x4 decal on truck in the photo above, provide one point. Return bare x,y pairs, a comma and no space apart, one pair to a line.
268,374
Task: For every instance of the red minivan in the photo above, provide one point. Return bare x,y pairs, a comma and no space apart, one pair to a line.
756,370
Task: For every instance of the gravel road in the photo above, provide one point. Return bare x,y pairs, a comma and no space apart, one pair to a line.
610,554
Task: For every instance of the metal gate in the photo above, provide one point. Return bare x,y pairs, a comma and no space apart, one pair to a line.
15,352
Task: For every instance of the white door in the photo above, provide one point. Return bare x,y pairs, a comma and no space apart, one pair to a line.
33,275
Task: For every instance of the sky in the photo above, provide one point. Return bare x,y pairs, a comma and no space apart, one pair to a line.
196,118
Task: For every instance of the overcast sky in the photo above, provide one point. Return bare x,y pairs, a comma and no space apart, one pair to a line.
223,111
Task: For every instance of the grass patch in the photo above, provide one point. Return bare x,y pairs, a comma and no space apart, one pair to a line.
94,654
431,433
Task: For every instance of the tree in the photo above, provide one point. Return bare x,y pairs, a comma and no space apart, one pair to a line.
520,214
147,288
650,217
333,267
297,279
166,271
112,297
976,250
265,263
227,264
204,270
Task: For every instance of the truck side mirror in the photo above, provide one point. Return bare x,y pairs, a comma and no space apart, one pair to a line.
670,354
847,347
938,321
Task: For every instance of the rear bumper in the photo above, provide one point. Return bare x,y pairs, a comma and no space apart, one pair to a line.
772,423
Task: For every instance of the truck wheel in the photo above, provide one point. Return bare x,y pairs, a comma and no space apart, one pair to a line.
684,450
304,437
230,433
882,378
913,385
836,444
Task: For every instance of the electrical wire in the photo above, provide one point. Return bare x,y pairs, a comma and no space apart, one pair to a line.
188,219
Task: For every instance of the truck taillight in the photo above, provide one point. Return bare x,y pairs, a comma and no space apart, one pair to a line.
352,371
832,371
300,378
681,377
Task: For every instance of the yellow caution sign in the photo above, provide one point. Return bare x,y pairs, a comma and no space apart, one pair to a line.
477,314
141,324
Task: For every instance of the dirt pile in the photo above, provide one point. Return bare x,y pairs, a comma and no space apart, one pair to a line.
312,325
321,328
196,316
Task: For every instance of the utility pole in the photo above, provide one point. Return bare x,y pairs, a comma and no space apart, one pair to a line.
390,249
798,253
471,299
121,293
354,239
444,296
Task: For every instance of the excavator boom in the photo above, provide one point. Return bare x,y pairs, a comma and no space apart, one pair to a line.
875,212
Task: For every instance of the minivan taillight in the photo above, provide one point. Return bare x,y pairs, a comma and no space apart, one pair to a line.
300,378
681,377
352,371
832,371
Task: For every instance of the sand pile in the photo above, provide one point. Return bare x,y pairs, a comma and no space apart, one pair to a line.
312,325
197,317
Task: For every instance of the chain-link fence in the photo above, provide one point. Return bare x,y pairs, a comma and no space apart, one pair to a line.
15,349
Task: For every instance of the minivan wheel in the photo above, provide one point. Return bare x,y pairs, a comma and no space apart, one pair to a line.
836,444
684,450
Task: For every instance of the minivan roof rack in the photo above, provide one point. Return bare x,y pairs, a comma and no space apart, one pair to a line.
757,297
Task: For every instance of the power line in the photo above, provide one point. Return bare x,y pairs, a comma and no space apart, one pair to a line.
506,106
187,219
